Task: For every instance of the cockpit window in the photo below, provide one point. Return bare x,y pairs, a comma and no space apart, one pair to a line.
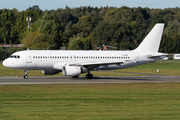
14,56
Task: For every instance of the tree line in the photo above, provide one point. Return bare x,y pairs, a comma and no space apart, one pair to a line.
88,28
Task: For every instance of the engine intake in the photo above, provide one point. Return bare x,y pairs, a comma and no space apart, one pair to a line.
71,70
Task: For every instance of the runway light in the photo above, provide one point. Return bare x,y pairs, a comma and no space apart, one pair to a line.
157,70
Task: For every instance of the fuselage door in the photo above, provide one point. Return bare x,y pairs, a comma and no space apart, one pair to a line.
28,57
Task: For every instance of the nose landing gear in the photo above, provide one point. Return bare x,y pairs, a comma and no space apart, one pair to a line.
26,74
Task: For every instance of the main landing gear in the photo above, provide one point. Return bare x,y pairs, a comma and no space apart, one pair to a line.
75,76
89,76
26,74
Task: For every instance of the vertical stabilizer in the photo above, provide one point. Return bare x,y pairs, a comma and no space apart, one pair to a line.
152,41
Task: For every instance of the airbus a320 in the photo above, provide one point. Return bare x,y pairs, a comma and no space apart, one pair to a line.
75,62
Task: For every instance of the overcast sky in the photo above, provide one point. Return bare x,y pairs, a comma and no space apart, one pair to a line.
54,4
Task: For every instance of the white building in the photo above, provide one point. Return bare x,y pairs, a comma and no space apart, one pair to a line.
176,57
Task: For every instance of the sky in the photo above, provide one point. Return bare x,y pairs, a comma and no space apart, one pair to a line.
55,4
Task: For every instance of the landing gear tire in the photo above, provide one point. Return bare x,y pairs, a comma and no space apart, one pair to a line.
25,76
75,76
89,76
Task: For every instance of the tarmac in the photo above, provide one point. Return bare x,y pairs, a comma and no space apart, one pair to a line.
100,79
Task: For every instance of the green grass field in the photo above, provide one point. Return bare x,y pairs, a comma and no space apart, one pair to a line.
165,68
125,101
90,101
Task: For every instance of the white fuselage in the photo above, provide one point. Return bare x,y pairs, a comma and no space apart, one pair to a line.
45,59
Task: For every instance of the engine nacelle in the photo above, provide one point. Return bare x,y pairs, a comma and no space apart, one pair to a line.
50,72
71,70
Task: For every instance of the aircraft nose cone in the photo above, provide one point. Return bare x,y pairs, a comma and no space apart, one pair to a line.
5,63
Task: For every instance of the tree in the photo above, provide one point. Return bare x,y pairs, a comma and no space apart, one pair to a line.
50,25
112,33
39,41
84,25
43,41
79,42
7,22
170,39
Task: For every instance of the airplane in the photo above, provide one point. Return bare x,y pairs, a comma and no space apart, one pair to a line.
75,62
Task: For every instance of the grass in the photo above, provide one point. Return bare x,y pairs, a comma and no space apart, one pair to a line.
90,101
151,68
169,67
125,101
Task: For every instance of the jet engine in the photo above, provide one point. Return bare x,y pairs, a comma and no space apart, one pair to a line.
71,70
50,72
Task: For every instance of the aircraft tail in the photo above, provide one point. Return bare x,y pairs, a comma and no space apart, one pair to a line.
152,41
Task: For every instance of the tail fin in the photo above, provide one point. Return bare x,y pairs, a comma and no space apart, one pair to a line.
152,41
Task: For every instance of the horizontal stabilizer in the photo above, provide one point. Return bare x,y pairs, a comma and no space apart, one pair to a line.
158,56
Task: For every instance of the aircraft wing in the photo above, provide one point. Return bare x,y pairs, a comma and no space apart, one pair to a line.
97,64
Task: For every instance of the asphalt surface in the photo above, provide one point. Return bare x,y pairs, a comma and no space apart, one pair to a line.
104,79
